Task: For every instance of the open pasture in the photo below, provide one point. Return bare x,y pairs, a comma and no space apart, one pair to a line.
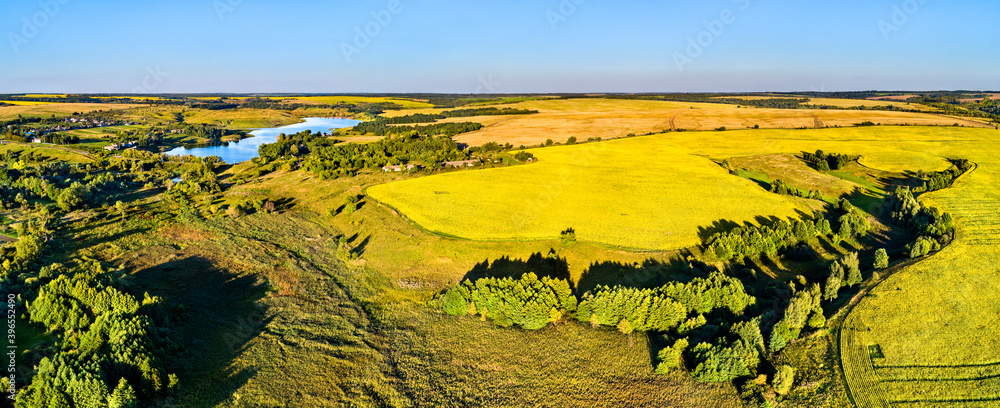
241,118
610,118
794,171
52,153
57,109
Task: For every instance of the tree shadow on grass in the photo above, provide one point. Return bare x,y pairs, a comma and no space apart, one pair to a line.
98,240
215,317
544,266
649,274
720,226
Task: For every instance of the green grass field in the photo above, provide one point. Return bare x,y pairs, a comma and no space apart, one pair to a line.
52,153
282,322
936,321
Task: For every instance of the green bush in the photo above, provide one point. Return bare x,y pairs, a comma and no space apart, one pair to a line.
784,379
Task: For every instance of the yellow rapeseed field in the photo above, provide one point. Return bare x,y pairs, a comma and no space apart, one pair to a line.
850,103
642,193
406,103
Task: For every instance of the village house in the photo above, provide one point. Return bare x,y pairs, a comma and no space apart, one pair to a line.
389,169
121,146
460,163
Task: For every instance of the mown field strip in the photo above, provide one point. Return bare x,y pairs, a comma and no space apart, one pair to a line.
859,372
938,373
937,404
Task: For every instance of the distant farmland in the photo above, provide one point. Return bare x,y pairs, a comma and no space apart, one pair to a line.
609,118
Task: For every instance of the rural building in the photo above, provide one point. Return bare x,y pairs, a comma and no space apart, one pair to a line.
460,163
389,169
36,140
121,146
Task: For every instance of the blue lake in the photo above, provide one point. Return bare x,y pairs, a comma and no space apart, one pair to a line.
246,149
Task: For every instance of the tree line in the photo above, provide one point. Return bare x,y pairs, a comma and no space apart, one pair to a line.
381,128
933,228
939,180
828,161
783,188
329,159
528,301
109,342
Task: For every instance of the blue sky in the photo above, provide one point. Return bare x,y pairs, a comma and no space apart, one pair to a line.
503,46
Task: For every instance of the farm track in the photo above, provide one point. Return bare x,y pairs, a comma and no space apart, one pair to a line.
818,124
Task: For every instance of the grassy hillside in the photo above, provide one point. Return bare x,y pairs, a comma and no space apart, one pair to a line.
283,322
57,109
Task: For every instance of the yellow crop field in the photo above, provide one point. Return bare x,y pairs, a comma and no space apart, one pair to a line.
44,95
936,322
919,319
609,118
406,103
136,97
850,103
672,186
640,193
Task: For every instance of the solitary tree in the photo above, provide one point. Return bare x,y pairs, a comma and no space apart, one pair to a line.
850,262
881,259
834,281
